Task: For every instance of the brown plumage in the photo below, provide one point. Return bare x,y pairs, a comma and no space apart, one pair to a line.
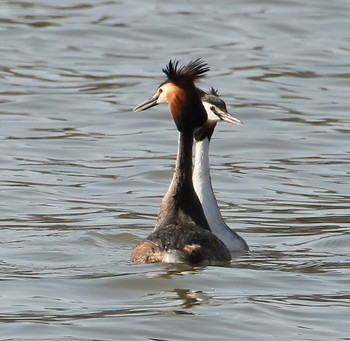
182,233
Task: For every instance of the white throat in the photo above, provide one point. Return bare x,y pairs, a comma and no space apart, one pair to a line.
203,187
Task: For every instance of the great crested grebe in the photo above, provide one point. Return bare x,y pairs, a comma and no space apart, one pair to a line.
217,111
182,233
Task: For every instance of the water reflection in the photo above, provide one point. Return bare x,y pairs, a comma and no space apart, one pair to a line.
170,270
190,298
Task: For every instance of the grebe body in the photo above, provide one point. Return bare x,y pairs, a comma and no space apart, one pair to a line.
216,111
182,233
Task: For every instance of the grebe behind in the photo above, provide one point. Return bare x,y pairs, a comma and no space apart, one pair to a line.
216,111
182,233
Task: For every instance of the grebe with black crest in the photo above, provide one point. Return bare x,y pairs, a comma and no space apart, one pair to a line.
182,233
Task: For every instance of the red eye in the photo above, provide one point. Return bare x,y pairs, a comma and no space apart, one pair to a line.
212,108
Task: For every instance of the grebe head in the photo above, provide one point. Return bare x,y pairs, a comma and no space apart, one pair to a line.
179,91
216,110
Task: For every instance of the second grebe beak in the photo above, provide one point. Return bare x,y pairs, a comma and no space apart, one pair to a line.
225,116
149,103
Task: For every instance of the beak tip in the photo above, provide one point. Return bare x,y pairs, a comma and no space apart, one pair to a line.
151,102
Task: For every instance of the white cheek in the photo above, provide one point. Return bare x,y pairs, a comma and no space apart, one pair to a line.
211,115
162,98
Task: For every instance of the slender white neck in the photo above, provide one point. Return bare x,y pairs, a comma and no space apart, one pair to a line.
203,187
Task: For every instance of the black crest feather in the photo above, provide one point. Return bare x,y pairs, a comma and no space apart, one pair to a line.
214,92
193,70
212,98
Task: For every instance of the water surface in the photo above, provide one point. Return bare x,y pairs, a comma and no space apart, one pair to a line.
82,176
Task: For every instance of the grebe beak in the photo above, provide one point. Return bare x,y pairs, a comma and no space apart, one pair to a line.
149,103
225,116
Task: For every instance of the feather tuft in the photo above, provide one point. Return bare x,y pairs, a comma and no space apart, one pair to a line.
190,72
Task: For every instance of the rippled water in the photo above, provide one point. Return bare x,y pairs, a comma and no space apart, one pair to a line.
82,176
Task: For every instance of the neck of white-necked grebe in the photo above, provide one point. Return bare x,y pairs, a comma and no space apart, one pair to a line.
203,187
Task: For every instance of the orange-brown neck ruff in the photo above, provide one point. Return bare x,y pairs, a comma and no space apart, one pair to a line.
185,106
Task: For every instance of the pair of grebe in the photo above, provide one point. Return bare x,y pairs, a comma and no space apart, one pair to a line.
189,227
